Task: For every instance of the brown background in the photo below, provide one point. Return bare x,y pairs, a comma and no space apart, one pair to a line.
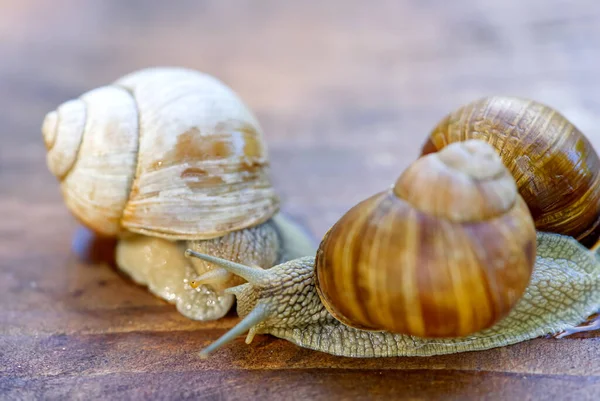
346,91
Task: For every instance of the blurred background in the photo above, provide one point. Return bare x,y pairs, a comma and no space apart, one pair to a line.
346,91
347,87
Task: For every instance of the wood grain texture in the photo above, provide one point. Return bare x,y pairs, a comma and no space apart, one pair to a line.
346,92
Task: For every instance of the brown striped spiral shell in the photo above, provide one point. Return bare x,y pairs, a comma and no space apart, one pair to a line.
447,251
555,166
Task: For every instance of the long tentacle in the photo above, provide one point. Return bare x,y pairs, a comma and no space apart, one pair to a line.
257,315
251,275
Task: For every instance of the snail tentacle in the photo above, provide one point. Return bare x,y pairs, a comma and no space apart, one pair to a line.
216,276
257,315
250,274
283,298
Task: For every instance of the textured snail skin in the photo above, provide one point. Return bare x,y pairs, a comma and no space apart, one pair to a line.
555,166
160,264
563,292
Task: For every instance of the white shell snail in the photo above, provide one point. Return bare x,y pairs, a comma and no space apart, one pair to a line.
168,159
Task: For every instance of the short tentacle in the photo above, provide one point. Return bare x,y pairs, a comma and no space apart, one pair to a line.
215,276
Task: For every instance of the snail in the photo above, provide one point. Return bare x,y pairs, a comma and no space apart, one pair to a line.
167,159
555,166
450,258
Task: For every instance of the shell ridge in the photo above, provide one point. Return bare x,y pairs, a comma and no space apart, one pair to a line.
183,193
85,126
134,177
50,144
83,136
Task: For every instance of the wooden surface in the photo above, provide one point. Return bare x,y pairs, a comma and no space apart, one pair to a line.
346,92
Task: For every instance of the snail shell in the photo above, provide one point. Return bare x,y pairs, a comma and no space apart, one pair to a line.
447,251
164,152
555,166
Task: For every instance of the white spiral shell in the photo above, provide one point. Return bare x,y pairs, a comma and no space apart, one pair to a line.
165,152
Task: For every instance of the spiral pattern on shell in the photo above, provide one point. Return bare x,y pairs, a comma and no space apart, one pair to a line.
555,166
165,152
446,252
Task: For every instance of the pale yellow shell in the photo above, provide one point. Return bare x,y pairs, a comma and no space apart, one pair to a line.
165,152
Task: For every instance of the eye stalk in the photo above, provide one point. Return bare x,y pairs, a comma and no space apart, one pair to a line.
257,315
250,274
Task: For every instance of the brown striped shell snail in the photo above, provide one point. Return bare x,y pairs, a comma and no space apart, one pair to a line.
464,252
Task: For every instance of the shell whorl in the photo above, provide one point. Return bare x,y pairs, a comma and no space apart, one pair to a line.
466,182
165,152
97,138
62,131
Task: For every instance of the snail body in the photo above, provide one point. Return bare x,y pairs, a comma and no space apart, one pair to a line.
564,290
165,158
448,259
